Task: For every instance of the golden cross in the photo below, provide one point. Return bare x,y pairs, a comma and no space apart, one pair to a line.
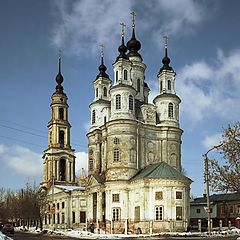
165,41
133,18
102,49
123,25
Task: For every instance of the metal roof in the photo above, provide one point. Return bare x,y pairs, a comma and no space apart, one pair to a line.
160,170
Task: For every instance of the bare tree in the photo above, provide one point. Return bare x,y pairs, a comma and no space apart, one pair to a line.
225,172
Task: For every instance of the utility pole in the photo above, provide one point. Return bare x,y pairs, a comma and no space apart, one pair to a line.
206,174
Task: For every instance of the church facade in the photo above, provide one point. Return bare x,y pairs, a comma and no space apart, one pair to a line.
135,181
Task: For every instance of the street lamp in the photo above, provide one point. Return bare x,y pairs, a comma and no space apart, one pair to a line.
206,173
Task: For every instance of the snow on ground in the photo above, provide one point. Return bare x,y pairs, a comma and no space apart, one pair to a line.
4,237
80,234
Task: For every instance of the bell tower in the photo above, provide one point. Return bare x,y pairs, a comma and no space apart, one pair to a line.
58,158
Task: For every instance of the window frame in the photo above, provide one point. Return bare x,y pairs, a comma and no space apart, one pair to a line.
116,214
130,102
158,213
118,102
115,197
170,110
116,155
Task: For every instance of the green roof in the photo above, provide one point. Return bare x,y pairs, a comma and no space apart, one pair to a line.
159,171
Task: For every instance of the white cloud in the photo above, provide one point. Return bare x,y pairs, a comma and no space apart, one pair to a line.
85,24
81,162
211,89
2,149
82,25
22,160
212,140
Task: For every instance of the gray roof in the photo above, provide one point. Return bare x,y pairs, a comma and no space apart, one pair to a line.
159,171
224,197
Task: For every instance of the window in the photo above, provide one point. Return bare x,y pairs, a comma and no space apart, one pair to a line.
62,205
105,119
116,75
61,113
57,206
82,217
125,74
198,210
58,218
118,101
105,92
138,85
158,195
116,140
161,87
53,218
170,110
63,218
73,217
96,92
61,138
169,84
179,213
238,209
137,214
93,116
62,170
116,155
178,195
116,214
90,164
231,208
158,213
130,102
222,209
115,197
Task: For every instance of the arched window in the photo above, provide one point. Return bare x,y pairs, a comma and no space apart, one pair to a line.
170,110
130,102
125,74
138,85
93,116
118,101
62,170
90,164
61,113
96,92
161,86
116,155
105,92
61,138
116,76
169,84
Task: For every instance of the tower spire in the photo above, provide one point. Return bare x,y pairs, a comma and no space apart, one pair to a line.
122,49
166,60
133,44
102,68
59,77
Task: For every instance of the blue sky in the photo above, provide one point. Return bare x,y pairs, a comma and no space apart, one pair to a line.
204,47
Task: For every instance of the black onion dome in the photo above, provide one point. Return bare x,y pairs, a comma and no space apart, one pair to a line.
133,46
59,78
122,50
102,70
166,60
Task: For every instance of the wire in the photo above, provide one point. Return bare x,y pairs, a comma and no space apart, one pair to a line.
34,134
18,140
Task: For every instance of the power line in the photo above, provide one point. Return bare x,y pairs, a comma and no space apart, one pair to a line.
34,134
18,140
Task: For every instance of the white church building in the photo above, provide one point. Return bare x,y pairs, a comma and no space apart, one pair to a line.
135,181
